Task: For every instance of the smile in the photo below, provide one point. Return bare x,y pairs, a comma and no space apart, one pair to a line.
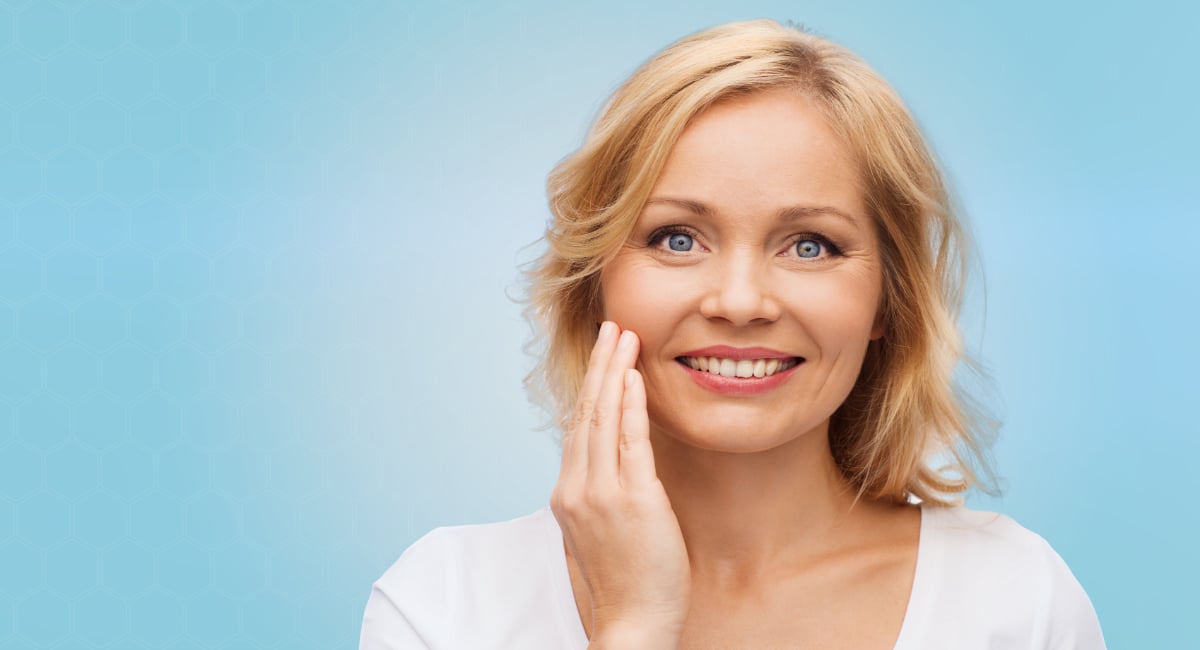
739,377
741,368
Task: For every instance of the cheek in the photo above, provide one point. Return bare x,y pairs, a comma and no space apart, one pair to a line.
642,297
838,310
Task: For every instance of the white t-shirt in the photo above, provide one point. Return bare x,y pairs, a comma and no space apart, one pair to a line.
982,581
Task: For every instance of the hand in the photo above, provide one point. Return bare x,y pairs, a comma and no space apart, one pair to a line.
614,513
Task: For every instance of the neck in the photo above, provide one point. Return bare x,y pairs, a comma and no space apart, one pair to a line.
744,516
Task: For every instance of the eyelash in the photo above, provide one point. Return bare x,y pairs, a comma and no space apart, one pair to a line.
659,235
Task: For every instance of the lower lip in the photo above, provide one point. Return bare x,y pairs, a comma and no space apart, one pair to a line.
738,385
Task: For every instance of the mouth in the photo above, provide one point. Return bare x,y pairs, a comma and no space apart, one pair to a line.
740,368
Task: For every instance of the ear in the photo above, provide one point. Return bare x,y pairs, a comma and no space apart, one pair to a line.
878,328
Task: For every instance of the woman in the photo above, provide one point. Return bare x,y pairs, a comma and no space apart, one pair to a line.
749,301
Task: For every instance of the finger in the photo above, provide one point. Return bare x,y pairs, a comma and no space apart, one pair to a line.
604,435
575,438
636,456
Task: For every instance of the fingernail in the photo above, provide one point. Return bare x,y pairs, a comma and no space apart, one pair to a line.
626,339
606,329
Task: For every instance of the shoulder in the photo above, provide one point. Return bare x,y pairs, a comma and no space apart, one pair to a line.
445,551
987,562
458,580
979,534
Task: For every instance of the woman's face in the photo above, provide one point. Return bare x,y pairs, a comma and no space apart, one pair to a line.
754,251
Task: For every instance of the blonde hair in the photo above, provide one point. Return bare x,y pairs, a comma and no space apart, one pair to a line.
905,410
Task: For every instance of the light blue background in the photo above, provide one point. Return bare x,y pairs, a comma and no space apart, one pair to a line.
254,257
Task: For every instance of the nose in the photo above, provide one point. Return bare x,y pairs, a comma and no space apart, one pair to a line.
740,292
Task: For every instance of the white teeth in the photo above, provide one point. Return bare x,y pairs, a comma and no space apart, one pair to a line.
742,368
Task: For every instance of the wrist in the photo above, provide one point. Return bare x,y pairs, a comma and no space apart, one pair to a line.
630,637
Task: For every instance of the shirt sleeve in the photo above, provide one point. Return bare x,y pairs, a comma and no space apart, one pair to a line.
1071,622
411,604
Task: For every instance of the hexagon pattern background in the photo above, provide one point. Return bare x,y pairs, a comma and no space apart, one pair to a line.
256,262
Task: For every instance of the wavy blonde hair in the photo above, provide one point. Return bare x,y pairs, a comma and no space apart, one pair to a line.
905,411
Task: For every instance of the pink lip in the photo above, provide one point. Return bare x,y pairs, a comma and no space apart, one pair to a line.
727,352
739,386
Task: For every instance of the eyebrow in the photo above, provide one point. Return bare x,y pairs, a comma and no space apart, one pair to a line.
788,213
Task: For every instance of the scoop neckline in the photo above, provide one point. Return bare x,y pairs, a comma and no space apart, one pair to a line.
916,612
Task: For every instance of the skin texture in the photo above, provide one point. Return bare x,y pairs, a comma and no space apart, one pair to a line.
731,522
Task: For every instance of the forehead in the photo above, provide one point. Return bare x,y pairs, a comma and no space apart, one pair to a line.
761,152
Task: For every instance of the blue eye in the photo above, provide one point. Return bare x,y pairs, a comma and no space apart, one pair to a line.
808,248
680,242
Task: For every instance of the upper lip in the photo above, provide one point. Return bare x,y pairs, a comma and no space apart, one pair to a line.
738,354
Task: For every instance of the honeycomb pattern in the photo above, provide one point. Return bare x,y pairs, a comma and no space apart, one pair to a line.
156,158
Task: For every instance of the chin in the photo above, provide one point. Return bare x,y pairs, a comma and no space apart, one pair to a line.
735,433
